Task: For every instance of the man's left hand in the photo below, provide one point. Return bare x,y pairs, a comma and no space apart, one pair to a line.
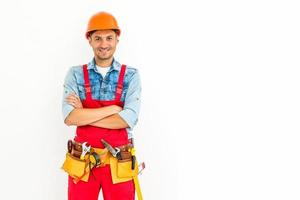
74,101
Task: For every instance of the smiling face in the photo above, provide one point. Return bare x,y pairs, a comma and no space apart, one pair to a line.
104,43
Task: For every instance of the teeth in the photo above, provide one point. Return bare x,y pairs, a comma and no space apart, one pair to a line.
103,50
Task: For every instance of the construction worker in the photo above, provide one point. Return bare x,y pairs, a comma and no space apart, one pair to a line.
102,98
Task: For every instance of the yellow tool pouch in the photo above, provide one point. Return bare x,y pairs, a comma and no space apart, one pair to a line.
124,169
76,168
121,171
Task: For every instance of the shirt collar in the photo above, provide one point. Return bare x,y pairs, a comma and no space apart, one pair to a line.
115,65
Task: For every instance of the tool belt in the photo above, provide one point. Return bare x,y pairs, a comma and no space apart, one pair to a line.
82,158
79,165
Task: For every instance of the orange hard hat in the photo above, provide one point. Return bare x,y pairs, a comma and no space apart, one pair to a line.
102,21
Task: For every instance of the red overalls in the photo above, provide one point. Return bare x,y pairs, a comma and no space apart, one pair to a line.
101,177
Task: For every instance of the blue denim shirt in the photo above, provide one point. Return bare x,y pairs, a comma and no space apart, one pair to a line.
104,88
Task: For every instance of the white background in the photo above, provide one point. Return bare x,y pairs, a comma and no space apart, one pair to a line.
220,102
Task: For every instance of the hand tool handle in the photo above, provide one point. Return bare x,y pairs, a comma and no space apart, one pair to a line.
133,160
70,146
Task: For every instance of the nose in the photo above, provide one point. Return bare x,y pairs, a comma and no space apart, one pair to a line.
103,44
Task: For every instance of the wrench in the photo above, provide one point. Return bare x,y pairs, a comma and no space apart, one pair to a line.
85,149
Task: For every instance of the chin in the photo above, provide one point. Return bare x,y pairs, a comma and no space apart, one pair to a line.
104,57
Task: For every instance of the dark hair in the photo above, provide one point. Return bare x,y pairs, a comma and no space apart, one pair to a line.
91,32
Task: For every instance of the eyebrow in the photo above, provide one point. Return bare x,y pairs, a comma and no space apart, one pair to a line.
103,36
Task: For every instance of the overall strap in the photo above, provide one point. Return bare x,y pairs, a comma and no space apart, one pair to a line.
87,86
119,88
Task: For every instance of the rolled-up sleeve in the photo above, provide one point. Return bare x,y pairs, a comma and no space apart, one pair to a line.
131,107
69,87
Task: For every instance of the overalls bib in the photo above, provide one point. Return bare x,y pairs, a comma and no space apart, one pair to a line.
101,177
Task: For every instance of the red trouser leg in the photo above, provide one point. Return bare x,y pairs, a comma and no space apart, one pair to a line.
102,178
83,190
119,191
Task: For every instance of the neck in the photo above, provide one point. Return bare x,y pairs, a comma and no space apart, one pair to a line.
104,63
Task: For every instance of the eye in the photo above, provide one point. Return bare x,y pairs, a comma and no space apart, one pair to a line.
109,38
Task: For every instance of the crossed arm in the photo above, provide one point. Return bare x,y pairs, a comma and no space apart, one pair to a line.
105,117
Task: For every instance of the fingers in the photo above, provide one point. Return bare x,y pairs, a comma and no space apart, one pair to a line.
71,99
72,104
73,96
75,104
74,100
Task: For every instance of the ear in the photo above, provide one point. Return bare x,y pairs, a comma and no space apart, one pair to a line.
90,40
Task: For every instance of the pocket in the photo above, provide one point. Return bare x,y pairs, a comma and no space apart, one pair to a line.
114,172
75,167
124,169
113,87
95,90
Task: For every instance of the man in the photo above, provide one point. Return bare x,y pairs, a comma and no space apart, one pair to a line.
102,99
